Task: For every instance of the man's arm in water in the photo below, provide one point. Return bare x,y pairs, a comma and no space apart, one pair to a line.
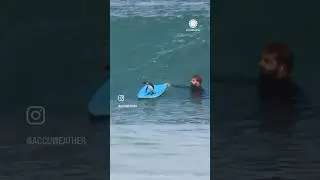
236,80
177,86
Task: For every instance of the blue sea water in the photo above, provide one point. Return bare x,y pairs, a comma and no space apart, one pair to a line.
167,137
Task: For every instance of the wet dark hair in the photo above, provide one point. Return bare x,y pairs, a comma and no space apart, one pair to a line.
284,54
198,78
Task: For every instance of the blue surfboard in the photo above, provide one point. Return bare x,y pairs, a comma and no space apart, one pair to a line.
99,105
159,89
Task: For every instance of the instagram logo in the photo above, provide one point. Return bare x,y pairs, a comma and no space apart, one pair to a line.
35,115
120,98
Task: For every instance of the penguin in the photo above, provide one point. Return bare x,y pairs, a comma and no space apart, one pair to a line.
149,88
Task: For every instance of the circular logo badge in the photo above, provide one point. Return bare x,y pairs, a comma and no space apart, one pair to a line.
193,23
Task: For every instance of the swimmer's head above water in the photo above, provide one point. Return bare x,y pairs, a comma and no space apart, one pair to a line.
196,84
276,61
196,81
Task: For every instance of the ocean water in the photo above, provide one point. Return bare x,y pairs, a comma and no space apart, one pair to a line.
167,137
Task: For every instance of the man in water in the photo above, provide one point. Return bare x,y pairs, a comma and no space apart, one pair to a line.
278,95
195,85
275,77
275,72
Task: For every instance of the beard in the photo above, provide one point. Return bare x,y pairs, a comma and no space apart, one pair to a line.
267,76
270,74
264,71
272,77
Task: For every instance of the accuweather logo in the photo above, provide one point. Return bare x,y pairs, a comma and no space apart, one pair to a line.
193,24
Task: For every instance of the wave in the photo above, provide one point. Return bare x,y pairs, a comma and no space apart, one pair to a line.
128,8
